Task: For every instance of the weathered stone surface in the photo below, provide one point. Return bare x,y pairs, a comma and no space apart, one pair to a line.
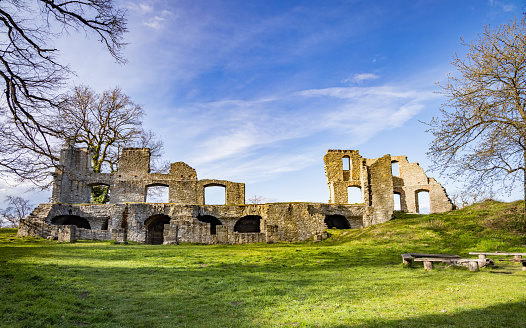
186,218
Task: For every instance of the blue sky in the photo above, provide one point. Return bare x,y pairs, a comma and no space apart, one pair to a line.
257,91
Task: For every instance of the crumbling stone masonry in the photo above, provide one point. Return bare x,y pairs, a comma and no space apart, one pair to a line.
186,217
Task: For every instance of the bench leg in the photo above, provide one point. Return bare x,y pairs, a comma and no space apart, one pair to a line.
482,256
428,265
473,266
523,265
408,263
517,258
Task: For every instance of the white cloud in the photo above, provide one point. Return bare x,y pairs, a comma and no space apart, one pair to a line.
360,78
506,7
155,22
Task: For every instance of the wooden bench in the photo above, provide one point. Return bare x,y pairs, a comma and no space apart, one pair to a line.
472,264
408,258
517,257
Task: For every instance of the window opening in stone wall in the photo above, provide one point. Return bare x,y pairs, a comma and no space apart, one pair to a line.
215,195
249,223
71,220
423,203
397,201
155,228
212,220
346,161
395,168
157,194
105,224
100,194
336,222
354,195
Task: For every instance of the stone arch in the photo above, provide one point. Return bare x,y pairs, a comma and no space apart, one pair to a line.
75,220
212,220
154,226
249,223
336,221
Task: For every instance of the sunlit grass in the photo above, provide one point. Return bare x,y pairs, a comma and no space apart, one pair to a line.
355,278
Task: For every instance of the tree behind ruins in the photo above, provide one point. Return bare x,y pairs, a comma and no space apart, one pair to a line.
481,133
33,78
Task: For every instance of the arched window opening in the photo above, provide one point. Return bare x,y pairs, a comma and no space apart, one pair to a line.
395,169
354,195
155,228
249,223
157,194
397,201
71,220
212,220
336,222
100,194
215,195
423,205
346,161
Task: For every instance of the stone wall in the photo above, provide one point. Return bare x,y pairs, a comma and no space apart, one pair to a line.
275,222
186,218
375,178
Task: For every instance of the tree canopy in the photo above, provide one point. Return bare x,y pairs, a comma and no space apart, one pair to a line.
481,132
33,77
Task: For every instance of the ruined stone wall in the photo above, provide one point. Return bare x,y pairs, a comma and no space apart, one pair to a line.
411,180
338,179
277,222
74,180
377,183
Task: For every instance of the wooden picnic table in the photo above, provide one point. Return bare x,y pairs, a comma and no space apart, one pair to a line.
517,257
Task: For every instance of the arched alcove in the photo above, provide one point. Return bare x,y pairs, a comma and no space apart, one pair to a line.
75,220
337,222
155,228
249,223
212,220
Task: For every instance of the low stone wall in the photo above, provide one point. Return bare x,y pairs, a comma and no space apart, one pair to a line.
275,222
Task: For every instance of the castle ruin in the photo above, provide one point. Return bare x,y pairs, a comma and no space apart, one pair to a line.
186,217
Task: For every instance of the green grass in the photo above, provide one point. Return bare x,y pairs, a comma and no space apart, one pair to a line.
354,278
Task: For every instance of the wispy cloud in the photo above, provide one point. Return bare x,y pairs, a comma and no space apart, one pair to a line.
360,78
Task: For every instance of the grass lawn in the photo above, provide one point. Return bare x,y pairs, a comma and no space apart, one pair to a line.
354,278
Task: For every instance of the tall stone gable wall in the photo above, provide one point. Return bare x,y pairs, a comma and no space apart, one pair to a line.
377,183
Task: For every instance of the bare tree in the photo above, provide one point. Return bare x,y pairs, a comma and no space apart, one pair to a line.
33,77
105,124
18,208
256,199
481,134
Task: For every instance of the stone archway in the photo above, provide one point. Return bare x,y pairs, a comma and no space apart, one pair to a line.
249,223
155,228
75,220
212,220
337,222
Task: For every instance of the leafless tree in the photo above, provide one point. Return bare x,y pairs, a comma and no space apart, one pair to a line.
105,124
256,199
481,133
33,77
18,208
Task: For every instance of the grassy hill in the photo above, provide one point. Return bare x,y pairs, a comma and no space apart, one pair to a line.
354,278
